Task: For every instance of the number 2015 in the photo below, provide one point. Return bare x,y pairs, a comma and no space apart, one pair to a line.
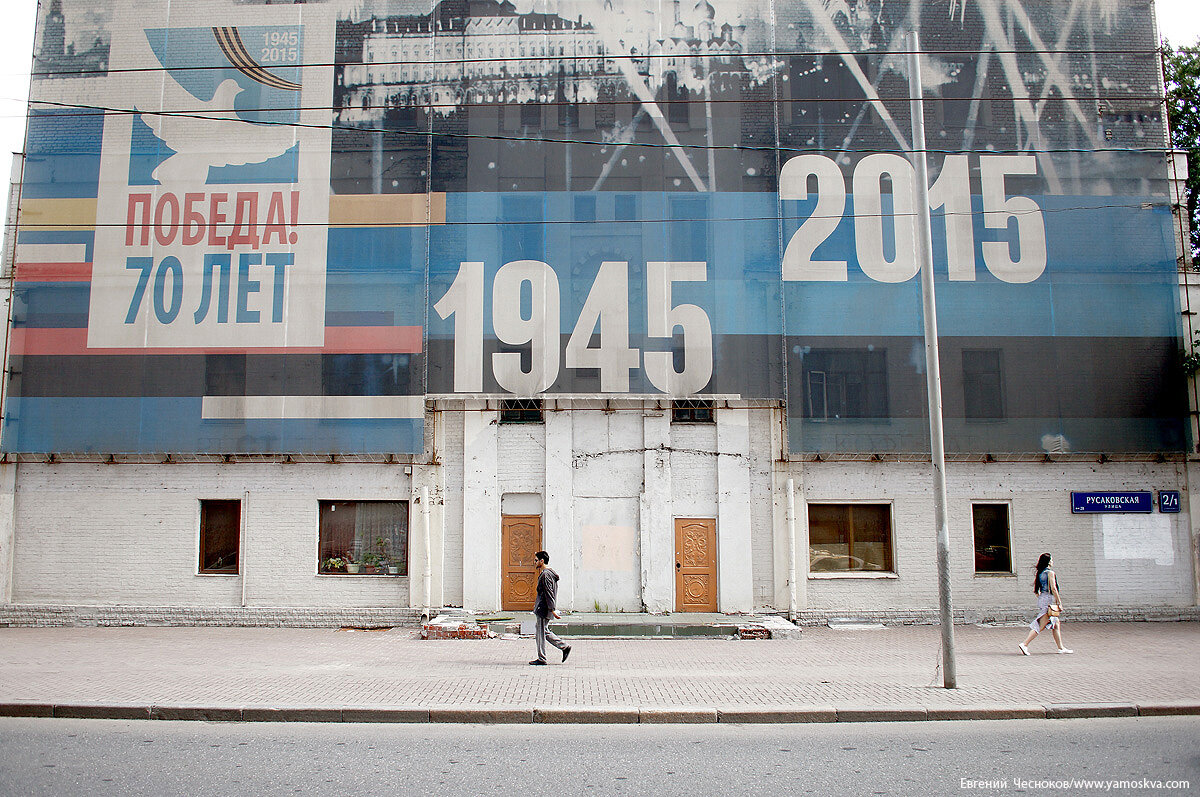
951,191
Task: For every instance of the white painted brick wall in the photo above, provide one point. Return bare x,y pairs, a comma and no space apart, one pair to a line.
522,464
452,463
129,534
1094,574
607,482
607,453
694,470
762,461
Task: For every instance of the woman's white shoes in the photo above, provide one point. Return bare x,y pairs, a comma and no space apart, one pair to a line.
1025,650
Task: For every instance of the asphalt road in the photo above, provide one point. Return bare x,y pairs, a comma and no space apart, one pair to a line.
103,757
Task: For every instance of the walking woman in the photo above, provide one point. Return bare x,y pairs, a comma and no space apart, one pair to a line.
1045,586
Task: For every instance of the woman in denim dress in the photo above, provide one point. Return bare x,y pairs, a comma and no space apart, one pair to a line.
1046,588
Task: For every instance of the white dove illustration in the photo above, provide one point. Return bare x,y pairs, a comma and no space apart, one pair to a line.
210,134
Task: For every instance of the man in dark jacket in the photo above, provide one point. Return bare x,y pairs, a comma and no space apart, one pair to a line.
543,608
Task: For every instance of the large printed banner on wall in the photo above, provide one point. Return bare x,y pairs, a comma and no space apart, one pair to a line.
277,228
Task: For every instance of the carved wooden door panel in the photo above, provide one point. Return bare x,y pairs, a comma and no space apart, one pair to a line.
520,539
695,564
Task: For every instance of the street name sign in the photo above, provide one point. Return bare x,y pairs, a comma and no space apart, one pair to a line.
1140,501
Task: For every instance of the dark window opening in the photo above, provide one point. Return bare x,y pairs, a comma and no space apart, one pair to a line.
585,208
844,538
846,383
220,535
625,207
692,411
993,552
677,103
531,114
521,411
983,384
687,234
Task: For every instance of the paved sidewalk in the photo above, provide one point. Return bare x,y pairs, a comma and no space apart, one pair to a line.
1118,669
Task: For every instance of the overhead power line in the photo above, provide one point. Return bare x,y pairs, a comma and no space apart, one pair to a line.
433,133
1139,51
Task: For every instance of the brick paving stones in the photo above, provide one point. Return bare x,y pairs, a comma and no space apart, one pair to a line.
846,674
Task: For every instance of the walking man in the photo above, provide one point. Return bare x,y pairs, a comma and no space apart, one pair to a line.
543,608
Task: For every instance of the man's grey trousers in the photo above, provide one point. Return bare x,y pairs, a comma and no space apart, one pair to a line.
544,633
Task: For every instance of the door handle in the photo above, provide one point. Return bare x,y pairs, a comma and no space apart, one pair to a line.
678,566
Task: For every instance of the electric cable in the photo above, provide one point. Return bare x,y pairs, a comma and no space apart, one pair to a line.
93,110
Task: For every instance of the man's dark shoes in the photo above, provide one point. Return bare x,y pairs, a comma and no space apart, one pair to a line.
538,661
566,652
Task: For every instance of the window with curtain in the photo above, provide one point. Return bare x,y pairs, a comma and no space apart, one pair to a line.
363,538
850,538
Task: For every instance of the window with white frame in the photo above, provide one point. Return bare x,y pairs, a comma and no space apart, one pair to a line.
849,538
220,536
992,536
363,538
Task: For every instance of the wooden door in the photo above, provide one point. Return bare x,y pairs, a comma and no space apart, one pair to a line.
520,539
695,564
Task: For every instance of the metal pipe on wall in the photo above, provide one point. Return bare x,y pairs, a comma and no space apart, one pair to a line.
242,544
791,527
427,575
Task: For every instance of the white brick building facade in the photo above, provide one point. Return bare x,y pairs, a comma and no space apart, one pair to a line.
608,483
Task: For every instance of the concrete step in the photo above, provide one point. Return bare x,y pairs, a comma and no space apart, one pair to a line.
575,628
618,625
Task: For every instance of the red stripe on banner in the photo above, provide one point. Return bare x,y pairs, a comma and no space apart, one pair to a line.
338,340
372,340
54,272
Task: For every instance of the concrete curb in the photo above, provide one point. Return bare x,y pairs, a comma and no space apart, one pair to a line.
677,715
1080,710
1166,709
882,714
989,712
600,714
586,714
198,713
490,715
776,714
393,714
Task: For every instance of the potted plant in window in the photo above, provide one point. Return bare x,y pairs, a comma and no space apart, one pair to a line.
383,549
333,564
352,566
371,562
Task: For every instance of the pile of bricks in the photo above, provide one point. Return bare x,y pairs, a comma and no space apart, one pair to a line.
754,632
461,631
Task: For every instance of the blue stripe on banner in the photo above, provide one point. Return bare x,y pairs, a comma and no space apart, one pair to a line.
51,305
393,250
392,300
1103,252
375,276
120,425
1055,305
62,153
